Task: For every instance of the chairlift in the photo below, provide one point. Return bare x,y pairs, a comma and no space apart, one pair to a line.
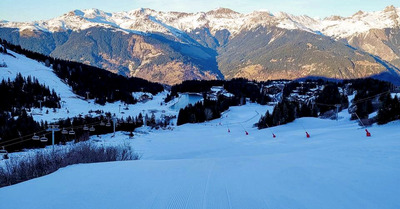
64,131
85,128
36,138
92,129
3,151
102,123
131,121
71,132
108,124
43,139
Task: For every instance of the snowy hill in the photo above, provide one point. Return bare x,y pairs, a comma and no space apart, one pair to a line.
204,166
72,104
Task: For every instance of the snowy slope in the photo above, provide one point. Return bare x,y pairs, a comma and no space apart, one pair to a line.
72,104
204,166
343,27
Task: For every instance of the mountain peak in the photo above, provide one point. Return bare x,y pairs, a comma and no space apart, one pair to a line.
390,8
221,10
358,13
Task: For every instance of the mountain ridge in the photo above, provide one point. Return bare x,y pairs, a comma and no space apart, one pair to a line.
192,45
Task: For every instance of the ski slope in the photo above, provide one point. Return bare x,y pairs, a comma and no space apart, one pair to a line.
204,166
72,104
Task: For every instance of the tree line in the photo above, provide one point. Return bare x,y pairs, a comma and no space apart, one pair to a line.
206,110
327,100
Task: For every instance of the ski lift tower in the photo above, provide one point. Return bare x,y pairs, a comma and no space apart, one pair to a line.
40,103
87,96
337,111
53,128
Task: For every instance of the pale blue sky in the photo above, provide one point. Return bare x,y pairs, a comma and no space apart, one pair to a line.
29,10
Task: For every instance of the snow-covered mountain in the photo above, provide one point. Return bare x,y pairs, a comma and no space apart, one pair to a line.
360,22
144,42
148,20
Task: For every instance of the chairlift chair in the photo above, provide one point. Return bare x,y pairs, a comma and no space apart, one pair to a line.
85,128
108,124
43,139
92,129
3,151
36,138
64,131
71,132
102,123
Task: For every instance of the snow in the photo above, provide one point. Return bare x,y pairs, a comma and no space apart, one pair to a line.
73,105
204,166
173,23
142,21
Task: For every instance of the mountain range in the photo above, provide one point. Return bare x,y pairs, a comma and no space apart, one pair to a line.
169,47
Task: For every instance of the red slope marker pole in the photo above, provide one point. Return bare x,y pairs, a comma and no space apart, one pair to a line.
367,133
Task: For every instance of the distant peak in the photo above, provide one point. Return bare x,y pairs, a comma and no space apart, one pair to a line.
390,8
358,13
222,11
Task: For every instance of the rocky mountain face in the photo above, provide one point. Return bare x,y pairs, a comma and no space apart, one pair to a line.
274,53
170,47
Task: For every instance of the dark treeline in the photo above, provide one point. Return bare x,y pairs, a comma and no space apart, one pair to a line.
329,97
206,110
389,109
26,93
244,88
18,96
285,112
12,129
212,109
367,91
19,132
102,85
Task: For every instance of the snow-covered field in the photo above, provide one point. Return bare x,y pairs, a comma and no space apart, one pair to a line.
204,166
